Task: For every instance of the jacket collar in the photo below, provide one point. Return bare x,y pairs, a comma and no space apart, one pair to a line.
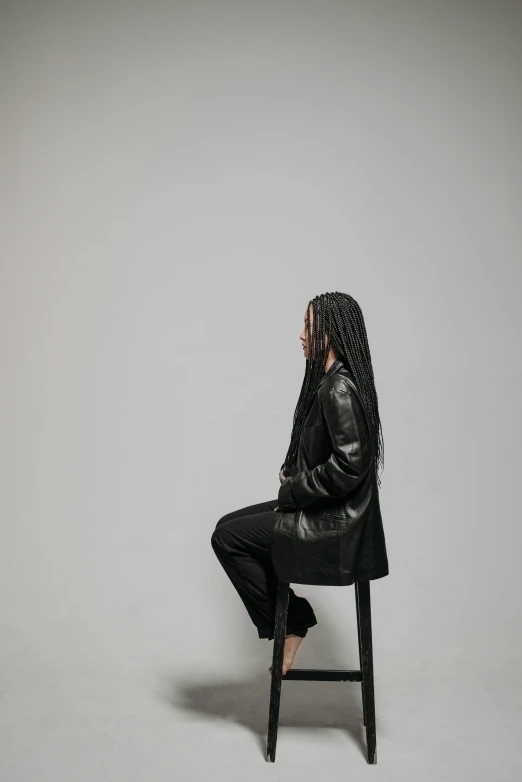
337,364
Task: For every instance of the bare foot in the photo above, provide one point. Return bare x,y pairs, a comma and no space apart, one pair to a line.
292,643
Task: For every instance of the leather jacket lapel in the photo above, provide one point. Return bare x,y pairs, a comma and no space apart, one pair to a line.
337,364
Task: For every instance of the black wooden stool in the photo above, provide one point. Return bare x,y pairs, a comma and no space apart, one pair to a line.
365,675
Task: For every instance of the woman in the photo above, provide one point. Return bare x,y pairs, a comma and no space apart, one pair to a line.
325,527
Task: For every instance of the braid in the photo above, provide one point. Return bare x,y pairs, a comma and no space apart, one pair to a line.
338,321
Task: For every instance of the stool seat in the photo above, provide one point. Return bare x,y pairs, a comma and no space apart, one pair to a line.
364,675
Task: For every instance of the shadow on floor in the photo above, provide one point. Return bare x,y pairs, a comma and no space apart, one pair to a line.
303,704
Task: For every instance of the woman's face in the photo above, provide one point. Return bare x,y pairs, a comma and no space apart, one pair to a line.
304,334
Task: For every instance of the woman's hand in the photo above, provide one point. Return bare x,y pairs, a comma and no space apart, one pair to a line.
281,476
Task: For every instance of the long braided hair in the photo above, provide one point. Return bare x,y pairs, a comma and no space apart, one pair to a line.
337,320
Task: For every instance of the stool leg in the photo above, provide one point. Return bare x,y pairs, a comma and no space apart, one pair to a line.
359,640
367,669
283,593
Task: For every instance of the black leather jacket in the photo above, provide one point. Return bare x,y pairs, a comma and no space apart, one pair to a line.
328,527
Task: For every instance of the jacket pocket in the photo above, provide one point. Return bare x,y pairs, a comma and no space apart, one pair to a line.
306,549
319,544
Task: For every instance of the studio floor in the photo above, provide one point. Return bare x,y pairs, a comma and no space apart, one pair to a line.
143,724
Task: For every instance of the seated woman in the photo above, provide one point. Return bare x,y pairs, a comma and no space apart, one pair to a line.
325,526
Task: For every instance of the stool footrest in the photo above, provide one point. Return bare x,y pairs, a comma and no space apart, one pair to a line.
322,675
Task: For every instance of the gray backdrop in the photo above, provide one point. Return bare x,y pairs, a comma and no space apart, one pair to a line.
179,179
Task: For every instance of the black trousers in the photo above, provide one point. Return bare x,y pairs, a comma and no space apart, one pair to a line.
241,542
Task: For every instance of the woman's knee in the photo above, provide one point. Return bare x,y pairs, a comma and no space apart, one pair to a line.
223,519
218,534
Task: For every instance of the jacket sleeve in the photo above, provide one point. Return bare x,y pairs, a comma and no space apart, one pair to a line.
346,465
